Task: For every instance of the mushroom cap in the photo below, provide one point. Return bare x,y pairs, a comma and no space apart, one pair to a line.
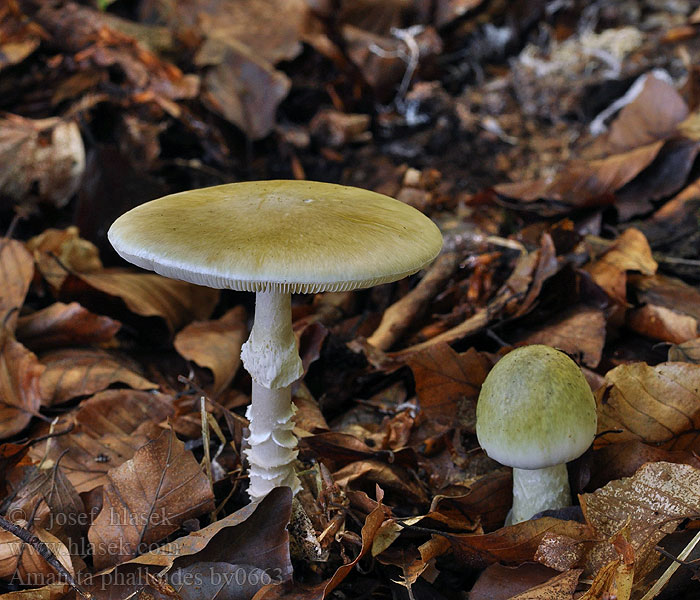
288,236
535,409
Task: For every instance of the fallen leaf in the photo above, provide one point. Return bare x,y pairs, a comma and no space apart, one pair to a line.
43,160
390,477
147,498
215,345
653,502
145,294
16,272
20,36
20,389
578,331
60,251
651,404
561,587
667,292
686,352
21,563
63,325
663,324
497,582
73,372
448,383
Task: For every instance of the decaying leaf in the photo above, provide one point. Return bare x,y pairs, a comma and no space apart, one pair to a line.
659,323
651,404
147,498
20,390
16,272
215,345
71,373
686,352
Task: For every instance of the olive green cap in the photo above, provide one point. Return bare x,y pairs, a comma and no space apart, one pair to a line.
288,236
535,409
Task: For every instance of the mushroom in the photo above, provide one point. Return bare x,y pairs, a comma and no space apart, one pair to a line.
276,238
535,413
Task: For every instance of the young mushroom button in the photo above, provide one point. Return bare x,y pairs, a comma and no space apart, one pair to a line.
535,413
276,238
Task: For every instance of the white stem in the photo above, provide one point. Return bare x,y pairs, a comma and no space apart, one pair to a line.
271,357
537,490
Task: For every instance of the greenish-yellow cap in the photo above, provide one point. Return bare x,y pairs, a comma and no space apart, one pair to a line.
535,409
289,236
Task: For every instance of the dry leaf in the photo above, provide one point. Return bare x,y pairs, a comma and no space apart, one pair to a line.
497,582
652,404
146,294
663,324
43,160
448,384
215,345
561,587
686,352
20,390
72,372
668,292
147,498
63,325
16,272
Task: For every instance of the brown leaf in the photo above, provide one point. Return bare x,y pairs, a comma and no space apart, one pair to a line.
242,86
651,404
18,34
147,295
668,292
630,252
448,384
686,352
582,184
109,428
653,115
497,582
390,477
20,391
72,372
215,345
16,272
147,498
514,544
43,160
561,587
654,502
65,324
23,564
663,324
487,502
58,251
578,331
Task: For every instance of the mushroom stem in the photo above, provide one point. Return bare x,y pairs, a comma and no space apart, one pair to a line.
271,357
535,490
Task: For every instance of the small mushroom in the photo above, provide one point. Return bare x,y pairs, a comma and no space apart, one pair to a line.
535,413
275,238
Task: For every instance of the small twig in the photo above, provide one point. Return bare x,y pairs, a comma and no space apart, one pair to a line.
45,552
676,562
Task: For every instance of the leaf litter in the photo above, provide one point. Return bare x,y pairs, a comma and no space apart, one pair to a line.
555,147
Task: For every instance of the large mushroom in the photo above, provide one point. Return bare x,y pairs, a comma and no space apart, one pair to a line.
276,238
535,413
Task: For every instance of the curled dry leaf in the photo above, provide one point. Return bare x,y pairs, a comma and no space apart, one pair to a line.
145,294
448,383
215,345
108,429
667,292
16,272
391,477
560,587
80,372
65,324
59,251
43,160
497,582
20,390
630,252
652,503
663,324
651,404
147,498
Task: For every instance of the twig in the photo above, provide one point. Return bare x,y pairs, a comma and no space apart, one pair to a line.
45,552
668,573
